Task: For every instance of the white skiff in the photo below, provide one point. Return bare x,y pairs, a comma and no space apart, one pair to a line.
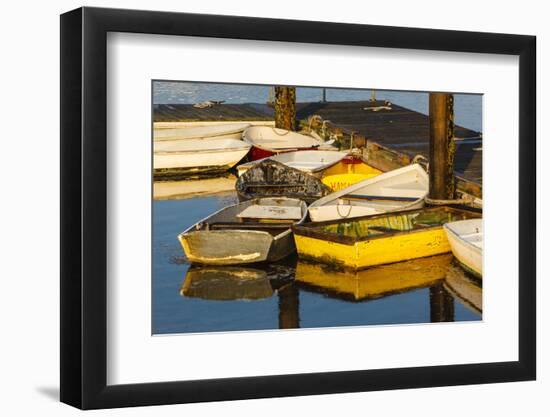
197,155
312,162
401,189
267,141
227,131
466,240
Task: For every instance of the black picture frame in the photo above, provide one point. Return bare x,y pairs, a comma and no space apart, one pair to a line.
84,207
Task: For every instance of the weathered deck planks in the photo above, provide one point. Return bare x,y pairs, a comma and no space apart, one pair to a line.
223,112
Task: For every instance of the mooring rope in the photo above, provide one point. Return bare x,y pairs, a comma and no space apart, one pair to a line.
340,214
418,158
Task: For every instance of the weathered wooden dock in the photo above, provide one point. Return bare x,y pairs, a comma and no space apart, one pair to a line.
223,112
396,133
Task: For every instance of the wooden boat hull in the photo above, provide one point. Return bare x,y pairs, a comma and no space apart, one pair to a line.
226,131
273,179
267,141
224,239
344,211
347,172
366,254
467,253
197,156
402,240
314,162
235,247
403,189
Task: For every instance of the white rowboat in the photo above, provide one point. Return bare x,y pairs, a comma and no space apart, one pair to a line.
270,140
227,131
466,240
230,237
397,190
197,155
312,162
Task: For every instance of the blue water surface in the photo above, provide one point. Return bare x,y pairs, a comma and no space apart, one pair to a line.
290,305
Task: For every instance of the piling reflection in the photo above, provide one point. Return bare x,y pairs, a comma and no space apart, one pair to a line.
289,307
442,306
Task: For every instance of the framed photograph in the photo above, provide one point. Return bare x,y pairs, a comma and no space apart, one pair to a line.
259,208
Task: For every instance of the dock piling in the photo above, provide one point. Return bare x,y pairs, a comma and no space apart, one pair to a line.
285,107
442,147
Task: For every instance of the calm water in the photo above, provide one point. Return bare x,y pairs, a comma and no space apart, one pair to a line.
288,294
467,107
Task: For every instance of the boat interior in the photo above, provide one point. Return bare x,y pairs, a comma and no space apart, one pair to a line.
475,239
393,223
470,231
231,218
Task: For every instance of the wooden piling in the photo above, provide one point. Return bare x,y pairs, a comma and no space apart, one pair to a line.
442,147
285,108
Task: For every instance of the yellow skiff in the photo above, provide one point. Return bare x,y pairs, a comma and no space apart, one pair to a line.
363,242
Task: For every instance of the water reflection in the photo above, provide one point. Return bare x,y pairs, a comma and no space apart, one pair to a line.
443,280
465,287
374,282
289,307
225,284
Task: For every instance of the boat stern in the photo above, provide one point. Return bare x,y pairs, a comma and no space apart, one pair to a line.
226,247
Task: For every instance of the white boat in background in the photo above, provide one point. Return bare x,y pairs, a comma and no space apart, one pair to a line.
198,155
226,131
397,190
466,240
312,162
256,230
267,141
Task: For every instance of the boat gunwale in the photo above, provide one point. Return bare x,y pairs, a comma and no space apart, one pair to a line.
309,229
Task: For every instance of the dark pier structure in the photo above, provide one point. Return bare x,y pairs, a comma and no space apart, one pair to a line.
390,135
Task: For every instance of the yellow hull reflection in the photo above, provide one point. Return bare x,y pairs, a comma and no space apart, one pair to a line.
375,282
